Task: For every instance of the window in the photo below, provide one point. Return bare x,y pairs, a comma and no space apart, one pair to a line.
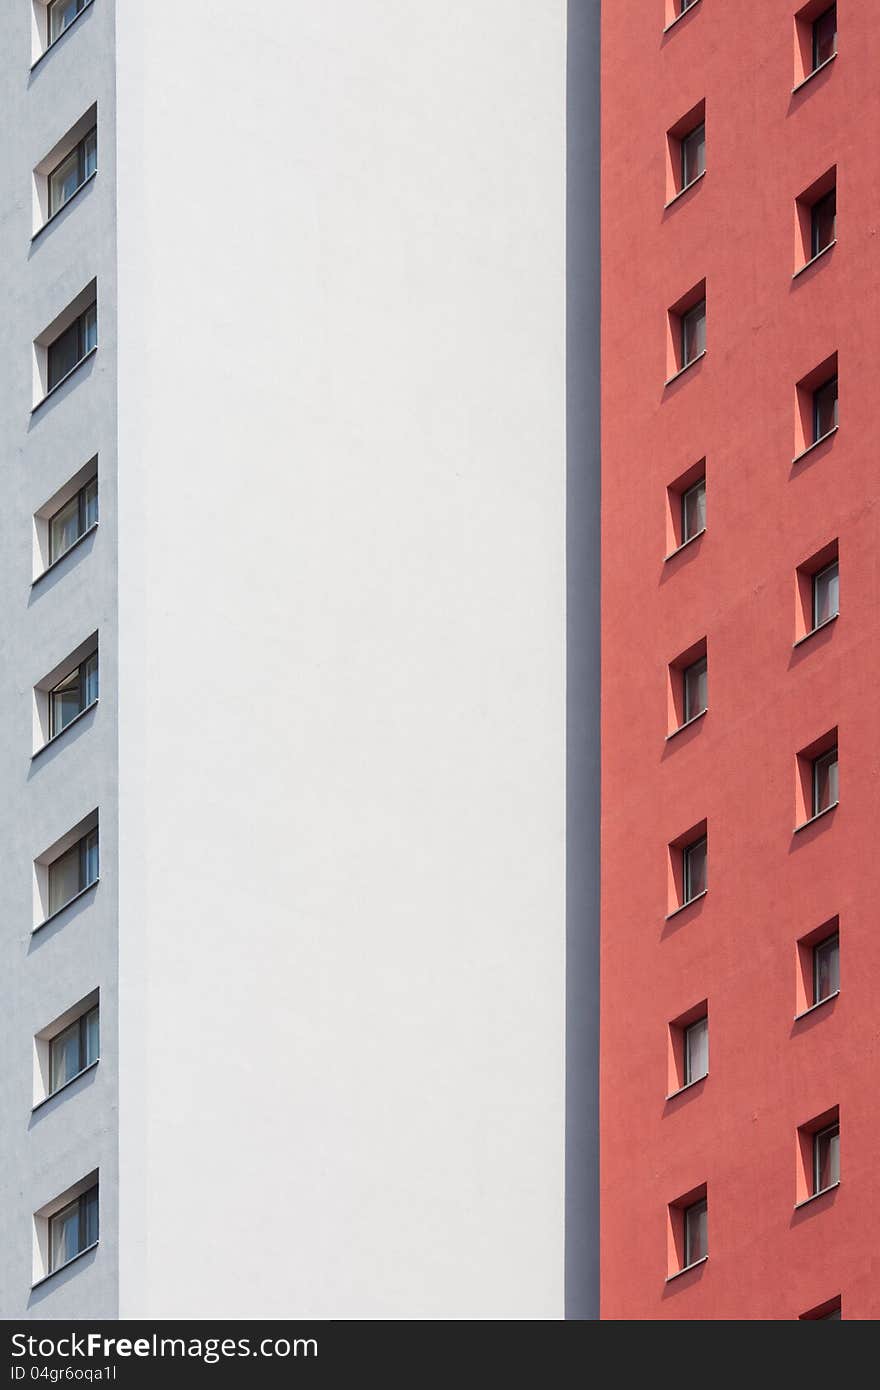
693,156
829,1311
73,1229
693,333
72,520
72,172
826,594
696,1233
823,222
62,13
825,782
826,1158
826,968
824,37
74,1049
824,409
696,1051
693,511
71,346
72,872
695,689
694,865
73,695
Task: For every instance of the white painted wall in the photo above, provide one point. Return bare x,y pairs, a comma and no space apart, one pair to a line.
342,703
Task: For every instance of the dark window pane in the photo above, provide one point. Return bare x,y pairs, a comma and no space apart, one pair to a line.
693,510
695,865
693,333
64,354
64,1057
826,1158
64,879
696,1235
90,504
62,13
824,408
693,155
825,37
92,1037
695,681
826,594
65,702
826,969
89,1218
824,222
825,782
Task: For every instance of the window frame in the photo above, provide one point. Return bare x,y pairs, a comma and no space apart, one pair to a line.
695,314
79,150
820,763
684,144
688,1069
815,210
688,896
82,674
826,1133
690,1215
84,846
814,42
79,326
817,407
818,948
815,578
84,1062
686,533
689,671
81,1205
81,498
55,7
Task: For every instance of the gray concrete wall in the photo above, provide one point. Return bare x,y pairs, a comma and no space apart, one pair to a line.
43,1154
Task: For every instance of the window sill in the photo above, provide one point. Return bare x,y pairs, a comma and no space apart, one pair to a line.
67,1263
686,1269
61,732
64,380
813,259
684,14
79,540
813,1007
688,1086
820,627
810,75
679,548
45,1101
687,188
818,816
64,206
814,1196
687,724
64,32
686,368
684,906
64,906
815,444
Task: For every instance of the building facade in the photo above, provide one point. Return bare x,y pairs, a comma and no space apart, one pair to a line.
287,903
739,620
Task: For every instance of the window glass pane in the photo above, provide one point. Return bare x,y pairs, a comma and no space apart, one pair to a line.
90,154
824,222
825,36
826,1147
90,503
63,529
696,1043
90,1217
90,329
825,782
693,511
693,333
62,13
90,680
64,1057
89,848
825,408
695,878
63,354
693,155
64,879
826,974
64,1236
66,702
696,1243
92,1037
64,182
826,594
695,689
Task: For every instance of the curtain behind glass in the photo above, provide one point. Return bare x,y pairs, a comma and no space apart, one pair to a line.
64,1236
64,879
64,1055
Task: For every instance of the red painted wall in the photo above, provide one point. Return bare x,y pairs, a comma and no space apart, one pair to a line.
737,1130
